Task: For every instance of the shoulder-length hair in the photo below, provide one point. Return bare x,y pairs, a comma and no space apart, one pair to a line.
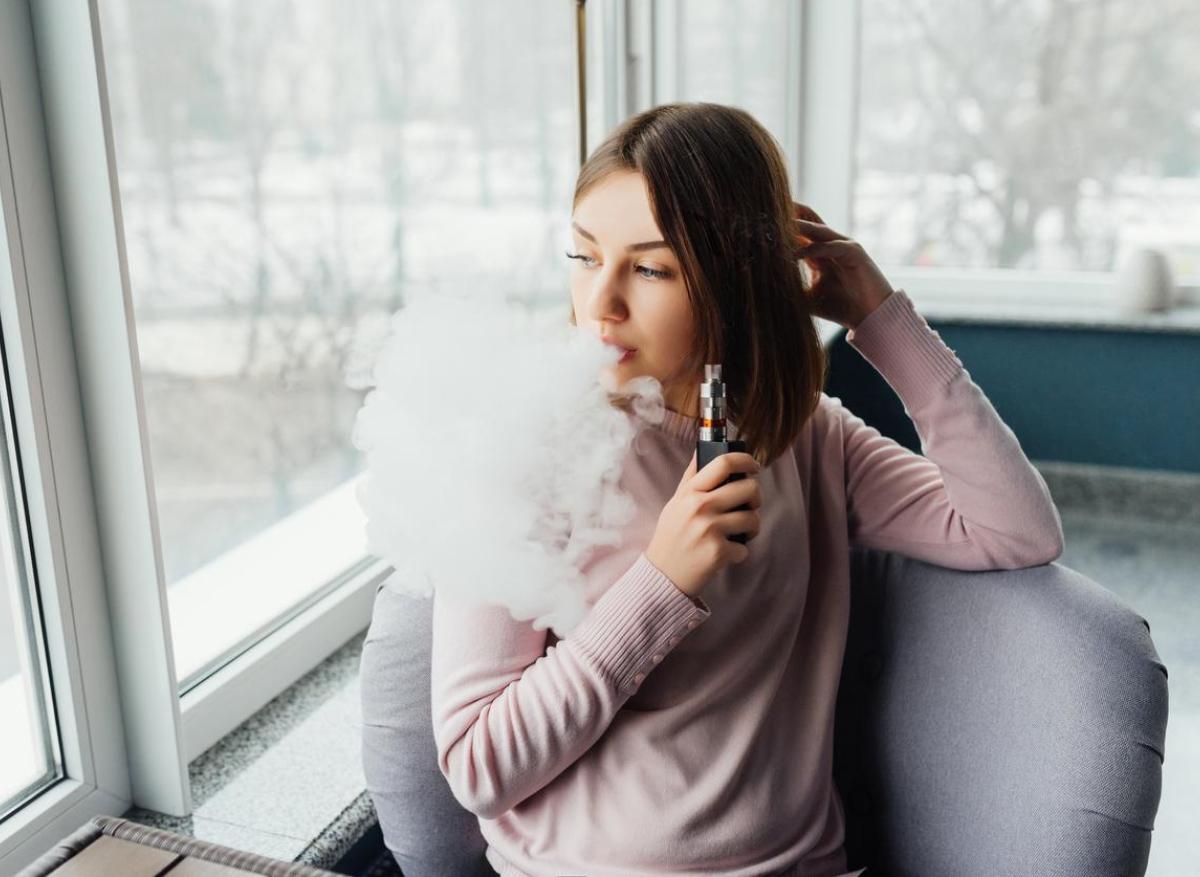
719,192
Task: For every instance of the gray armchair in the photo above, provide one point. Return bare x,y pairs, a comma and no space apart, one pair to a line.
988,723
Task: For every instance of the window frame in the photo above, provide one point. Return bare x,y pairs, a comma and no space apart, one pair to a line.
52,454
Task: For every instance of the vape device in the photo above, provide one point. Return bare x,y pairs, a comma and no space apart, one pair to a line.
712,442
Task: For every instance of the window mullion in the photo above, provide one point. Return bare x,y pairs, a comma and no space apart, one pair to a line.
639,58
829,108
615,84
666,52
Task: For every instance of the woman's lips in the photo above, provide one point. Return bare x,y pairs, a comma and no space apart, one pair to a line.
626,352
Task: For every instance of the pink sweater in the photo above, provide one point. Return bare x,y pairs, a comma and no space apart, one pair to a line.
666,736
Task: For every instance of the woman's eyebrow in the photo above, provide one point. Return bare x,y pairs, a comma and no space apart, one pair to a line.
632,248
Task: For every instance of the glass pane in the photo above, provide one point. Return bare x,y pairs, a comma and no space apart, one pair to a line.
736,53
1030,134
29,753
290,175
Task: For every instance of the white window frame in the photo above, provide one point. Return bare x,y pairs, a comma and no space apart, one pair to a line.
57,483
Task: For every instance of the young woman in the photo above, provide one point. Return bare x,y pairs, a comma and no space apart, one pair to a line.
685,726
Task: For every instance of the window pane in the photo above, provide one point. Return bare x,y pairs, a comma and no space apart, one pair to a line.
1030,134
29,753
290,175
736,53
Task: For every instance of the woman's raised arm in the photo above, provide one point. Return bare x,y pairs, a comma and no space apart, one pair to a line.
973,501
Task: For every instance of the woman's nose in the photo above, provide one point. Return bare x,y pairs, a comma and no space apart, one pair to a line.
606,298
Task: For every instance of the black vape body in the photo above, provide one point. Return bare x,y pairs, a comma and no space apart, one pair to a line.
706,452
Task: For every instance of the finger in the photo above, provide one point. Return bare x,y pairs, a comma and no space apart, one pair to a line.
817,231
738,552
803,211
737,493
815,251
752,531
732,523
690,471
717,472
741,491
835,250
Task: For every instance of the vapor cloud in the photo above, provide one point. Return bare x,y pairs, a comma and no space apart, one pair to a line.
494,454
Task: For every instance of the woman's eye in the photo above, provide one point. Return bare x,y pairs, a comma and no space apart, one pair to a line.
580,256
652,273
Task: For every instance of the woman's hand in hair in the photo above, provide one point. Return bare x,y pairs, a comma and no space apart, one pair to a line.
846,284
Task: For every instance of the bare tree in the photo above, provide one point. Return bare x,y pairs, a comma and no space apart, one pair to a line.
1022,102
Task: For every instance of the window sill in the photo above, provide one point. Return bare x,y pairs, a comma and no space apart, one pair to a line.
1060,315
1183,319
1067,299
288,782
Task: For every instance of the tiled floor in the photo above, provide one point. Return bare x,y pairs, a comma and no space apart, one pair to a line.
1155,568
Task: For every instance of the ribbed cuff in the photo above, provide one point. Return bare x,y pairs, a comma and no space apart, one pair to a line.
902,347
636,622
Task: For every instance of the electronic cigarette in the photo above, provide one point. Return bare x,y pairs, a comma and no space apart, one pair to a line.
712,441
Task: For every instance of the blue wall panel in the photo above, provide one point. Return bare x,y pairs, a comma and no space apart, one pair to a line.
1120,398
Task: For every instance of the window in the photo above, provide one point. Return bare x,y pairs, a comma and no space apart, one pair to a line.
259,188
31,760
63,756
290,175
1035,135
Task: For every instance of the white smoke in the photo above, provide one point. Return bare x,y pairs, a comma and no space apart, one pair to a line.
493,454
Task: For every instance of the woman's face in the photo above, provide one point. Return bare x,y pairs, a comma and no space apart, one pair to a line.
626,285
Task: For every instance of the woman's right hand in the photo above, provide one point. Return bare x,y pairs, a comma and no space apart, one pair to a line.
690,542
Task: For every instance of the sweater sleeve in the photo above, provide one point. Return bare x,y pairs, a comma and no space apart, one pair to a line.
973,501
510,714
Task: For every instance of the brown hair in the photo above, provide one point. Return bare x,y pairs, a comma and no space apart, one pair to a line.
719,192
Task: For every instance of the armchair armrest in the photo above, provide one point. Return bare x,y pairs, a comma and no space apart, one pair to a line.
1000,722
